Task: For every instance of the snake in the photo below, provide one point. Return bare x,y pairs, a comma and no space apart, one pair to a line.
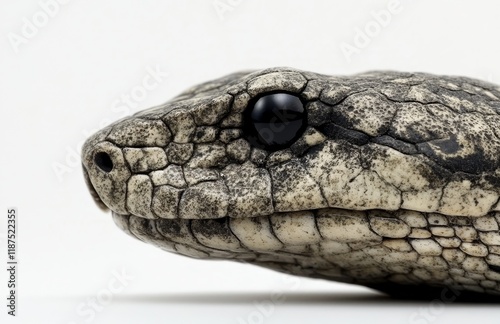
388,180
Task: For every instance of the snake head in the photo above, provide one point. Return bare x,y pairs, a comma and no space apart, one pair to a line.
288,169
250,144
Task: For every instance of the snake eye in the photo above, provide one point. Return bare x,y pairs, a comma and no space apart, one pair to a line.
274,121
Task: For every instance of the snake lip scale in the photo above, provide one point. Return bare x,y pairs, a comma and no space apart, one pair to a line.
389,180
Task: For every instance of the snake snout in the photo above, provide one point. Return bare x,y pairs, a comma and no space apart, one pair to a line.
106,173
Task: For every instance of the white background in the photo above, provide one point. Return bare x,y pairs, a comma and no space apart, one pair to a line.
68,76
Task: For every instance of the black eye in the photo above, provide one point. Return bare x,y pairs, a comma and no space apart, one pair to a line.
103,161
275,121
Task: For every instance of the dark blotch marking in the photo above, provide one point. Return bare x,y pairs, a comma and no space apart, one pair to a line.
334,131
401,146
494,181
475,163
448,145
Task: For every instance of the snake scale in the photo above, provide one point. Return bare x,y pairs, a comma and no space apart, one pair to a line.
389,180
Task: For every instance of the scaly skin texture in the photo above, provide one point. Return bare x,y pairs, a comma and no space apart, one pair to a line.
395,183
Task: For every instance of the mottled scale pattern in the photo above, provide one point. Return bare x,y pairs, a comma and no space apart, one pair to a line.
394,184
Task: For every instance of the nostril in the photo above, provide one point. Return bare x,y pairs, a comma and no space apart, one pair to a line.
103,161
